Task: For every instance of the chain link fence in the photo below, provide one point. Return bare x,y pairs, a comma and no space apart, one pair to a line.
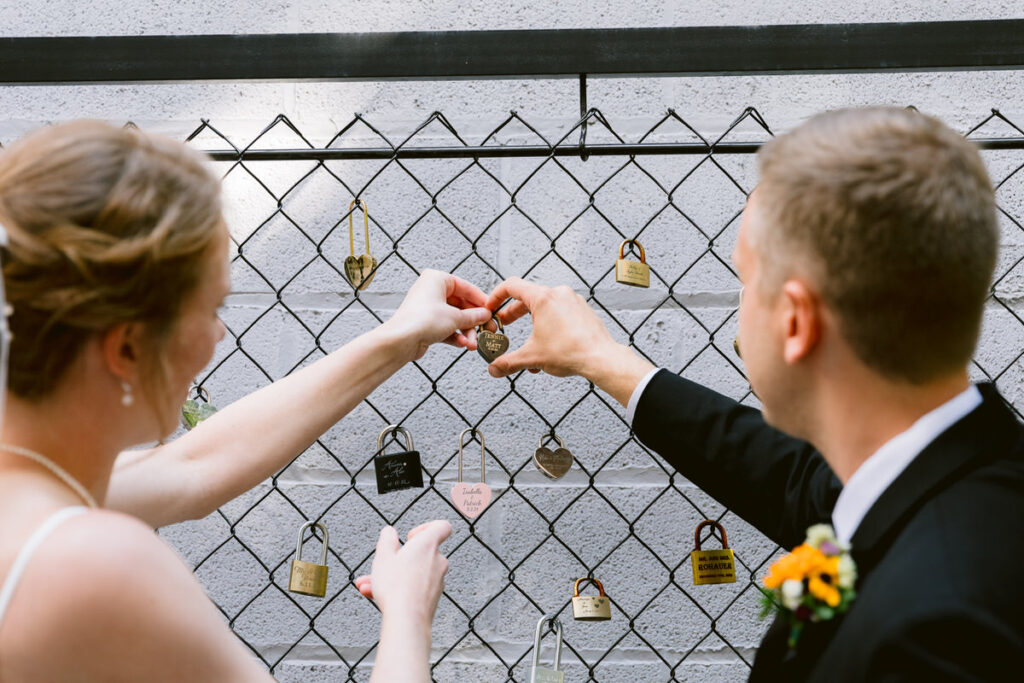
486,213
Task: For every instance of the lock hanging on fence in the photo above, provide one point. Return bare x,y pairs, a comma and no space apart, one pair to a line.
193,412
359,269
553,464
399,470
590,607
712,566
539,674
632,273
472,499
309,578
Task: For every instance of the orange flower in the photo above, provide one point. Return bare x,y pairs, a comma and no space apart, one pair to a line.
797,565
821,589
824,581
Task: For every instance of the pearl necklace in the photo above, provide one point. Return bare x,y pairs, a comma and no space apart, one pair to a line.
56,469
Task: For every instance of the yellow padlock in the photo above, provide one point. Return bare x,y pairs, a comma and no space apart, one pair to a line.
712,566
590,607
309,578
632,273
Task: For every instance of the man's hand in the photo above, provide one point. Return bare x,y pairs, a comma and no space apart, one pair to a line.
567,339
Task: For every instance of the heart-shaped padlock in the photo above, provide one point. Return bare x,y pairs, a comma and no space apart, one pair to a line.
193,412
553,464
359,269
489,344
472,499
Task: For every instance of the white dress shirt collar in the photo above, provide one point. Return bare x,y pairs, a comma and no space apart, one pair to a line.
876,473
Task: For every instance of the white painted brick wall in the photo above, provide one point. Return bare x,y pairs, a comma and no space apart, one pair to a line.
672,623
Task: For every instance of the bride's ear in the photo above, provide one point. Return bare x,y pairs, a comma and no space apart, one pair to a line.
121,347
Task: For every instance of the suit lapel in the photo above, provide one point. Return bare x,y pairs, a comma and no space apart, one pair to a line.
983,434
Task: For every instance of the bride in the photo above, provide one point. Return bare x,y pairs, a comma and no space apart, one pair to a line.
116,265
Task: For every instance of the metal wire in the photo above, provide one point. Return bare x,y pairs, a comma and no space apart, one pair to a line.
672,572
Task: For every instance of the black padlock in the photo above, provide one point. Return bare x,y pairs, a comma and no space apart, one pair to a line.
399,470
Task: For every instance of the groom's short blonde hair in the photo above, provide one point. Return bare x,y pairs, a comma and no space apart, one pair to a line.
893,215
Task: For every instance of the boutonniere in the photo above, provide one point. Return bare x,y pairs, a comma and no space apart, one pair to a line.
812,583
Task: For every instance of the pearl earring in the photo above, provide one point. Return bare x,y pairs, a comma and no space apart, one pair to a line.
127,399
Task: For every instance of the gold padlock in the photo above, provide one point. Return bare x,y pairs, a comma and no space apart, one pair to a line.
712,566
590,607
308,578
632,273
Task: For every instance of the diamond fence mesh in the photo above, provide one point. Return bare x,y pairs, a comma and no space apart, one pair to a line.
621,514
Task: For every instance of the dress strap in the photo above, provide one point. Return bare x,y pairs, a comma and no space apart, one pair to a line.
30,547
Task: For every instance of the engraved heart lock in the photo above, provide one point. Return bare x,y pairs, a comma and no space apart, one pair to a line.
359,269
489,344
553,464
193,412
471,499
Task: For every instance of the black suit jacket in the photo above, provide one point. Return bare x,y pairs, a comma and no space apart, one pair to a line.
940,554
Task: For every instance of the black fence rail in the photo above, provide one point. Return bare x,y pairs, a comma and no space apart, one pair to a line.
686,214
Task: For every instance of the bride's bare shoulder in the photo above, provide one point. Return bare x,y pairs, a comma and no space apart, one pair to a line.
109,595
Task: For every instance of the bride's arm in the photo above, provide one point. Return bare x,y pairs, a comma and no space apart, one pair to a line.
249,440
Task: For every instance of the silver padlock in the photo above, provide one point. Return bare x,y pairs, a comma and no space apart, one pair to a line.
539,674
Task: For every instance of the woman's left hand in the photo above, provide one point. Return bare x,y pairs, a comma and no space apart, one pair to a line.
440,307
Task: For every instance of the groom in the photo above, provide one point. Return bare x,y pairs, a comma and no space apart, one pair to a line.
866,253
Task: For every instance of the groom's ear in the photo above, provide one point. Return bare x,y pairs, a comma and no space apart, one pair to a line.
801,320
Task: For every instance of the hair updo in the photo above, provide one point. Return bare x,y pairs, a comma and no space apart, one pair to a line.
106,225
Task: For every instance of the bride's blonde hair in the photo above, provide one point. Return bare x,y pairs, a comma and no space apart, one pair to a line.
106,225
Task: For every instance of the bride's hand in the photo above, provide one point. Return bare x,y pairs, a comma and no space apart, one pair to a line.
440,308
408,580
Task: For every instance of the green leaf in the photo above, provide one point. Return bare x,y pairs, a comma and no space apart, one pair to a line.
824,612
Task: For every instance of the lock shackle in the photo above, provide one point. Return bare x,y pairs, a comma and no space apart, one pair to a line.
556,626
622,250
556,437
483,453
496,319
576,586
396,430
366,226
323,548
706,523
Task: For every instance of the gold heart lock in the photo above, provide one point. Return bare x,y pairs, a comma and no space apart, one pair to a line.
489,344
359,269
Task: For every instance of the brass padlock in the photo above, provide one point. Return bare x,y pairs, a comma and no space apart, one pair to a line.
632,273
308,578
590,607
359,269
712,566
538,673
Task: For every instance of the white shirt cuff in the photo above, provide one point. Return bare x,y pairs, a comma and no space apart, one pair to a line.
634,399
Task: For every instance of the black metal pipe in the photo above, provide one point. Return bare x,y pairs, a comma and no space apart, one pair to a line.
493,151
682,51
